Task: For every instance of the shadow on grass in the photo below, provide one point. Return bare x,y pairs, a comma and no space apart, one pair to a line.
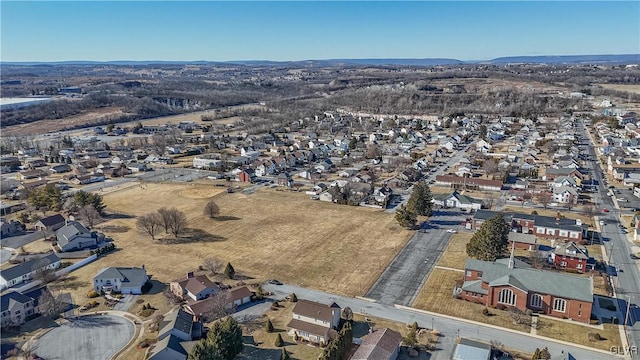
156,287
193,236
69,282
112,216
226,218
114,228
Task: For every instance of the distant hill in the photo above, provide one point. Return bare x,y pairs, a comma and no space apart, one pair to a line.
545,59
569,59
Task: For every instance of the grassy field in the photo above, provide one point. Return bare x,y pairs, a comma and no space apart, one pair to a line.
437,296
578,334
455,254
621,87
268,234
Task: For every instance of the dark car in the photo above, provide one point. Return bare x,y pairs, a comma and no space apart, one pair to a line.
274,282
634,256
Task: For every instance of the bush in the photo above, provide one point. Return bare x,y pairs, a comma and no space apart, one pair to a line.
501,307
92,294
594,337
293,297
118,296
269,326
279,342
485,312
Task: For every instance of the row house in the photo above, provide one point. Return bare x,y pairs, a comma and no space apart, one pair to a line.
538,225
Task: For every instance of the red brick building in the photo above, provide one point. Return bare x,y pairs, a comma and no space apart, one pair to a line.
541,226
501,284
246,176
572,256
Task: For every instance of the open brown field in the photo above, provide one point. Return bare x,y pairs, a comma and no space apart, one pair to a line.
269,234
437,296
579,334
621,87
44,126
455,254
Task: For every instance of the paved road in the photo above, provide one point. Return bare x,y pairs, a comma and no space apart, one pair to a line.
15,242
618,247
403,278
87,337
447,326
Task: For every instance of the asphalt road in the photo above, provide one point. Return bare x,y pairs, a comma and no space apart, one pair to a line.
449,328
402,279
627,282
87,337
15,242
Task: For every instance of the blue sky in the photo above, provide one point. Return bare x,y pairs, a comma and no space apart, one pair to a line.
220,31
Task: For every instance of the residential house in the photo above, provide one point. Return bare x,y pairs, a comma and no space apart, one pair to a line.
381,344
206,161
500,284
315,322
88,179
50,223
456,200
8,228
31,174
551,173
16,308
25,271
59,169
565,195
467,349
572,256
74,236
177,335
194,288
228,298
125,280
246,176
284,179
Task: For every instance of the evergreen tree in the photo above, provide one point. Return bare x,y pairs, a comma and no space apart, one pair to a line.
405,217
285,354
226,335
269,326
491,240
545,354
420,200
536,354
293,297
279,342
229,271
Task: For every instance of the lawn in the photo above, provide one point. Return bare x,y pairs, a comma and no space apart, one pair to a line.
437,296
455,254
578,334
268,234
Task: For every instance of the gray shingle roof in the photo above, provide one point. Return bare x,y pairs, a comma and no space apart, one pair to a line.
132,277
26,267
538,220
9,298
474,286
378,346
533,280
66,233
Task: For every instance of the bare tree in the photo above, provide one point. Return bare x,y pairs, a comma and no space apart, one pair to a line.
150,223
490,166
490,200
89,215
172,298
50,305
165,217
537,259
590,211
177,221
373,151
571,201
526,197
217,306
211,209
544,198
212,264
43,272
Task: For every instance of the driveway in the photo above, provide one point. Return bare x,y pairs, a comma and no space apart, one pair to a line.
88,337
402,280
16,242
125,303
5,255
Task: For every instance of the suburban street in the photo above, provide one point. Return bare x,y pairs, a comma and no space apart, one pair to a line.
448,327
618,248
404,277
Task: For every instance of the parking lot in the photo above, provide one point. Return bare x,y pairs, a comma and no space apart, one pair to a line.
87,337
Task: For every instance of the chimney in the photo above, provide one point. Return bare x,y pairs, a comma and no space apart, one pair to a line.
189,274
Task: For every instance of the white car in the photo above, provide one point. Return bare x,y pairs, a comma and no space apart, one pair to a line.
451,231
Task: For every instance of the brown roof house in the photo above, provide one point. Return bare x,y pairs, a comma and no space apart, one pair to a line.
219,303
194,288
314,322
382,344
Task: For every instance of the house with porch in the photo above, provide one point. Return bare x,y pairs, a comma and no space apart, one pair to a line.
125,280
502,284
456,200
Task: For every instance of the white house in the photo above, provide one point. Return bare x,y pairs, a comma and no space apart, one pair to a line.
205,161
456,200
565,194
124,280
74,236
24,271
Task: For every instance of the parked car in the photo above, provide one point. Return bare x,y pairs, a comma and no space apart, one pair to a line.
451,231
634,256
274,282
604,210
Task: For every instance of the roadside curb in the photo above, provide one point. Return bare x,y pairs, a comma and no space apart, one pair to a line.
505,329
366,299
